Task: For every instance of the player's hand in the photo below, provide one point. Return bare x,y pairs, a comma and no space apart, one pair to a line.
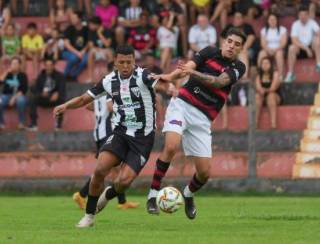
161,77
59,110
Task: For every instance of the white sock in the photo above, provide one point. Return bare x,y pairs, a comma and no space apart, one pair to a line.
89,216
187,192
152,193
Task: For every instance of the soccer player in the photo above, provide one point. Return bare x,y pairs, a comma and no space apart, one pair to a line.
188,119
103,109
132,91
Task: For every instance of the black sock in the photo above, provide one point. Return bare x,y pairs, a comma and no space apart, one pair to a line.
159,173
85,189
92,204
111,193
195,184
122,198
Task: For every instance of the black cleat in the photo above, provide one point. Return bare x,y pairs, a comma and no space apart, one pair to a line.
152,206
189,207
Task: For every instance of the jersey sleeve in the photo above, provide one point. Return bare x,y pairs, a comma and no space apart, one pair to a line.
147,80
236,72
201,56
99,89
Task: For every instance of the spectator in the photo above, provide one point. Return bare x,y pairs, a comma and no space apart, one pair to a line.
32,44
305,37
221,11
60,16
201,35
14,92
49,91
5,15
143,37
267,86
129,18
75,47
248,50
198,7
87,6
150,63
100,40
167,36
314,8
273,39
164,9
108,13
10,45
53,46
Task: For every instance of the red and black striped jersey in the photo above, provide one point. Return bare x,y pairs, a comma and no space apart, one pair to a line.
206,98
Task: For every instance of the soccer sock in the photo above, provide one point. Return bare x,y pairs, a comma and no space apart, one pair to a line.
111,193
193,186
122,198
92,204
85,189
159,173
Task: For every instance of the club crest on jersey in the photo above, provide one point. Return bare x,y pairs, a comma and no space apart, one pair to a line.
136,91
109,139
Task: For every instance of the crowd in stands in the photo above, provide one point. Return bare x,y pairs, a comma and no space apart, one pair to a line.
83,32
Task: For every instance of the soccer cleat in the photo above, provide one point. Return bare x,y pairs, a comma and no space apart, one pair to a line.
102,201
78,199
152,206
127,205
189,207
86,221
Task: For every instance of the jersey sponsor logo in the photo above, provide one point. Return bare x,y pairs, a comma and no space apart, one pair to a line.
136,91
216,66
176,122
109,139
196,90
115,93
134,105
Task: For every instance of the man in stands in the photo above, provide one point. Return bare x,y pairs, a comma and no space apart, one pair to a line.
49,91
305,37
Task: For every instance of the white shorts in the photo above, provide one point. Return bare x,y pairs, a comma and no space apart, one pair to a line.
192,124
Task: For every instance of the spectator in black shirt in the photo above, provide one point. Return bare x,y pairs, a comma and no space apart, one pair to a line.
14,92
248,52
75,43
49,91
100,41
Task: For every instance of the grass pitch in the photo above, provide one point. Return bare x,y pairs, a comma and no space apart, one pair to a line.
221,219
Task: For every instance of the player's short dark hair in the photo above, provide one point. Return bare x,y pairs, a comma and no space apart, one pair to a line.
95,20
237,32
125,50
32,25
303,8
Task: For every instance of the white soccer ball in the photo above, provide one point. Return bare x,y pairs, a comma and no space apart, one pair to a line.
169,199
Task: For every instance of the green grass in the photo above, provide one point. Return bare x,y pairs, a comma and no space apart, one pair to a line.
221,219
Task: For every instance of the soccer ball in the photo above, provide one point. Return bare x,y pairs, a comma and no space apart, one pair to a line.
169,199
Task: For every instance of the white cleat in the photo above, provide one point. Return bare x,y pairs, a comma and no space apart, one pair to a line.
86,221
102,201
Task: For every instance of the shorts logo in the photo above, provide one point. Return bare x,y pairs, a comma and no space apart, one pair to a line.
109,139
135,91
176,122
142,160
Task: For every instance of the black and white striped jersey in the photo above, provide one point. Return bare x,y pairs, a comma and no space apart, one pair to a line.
133,101
103,118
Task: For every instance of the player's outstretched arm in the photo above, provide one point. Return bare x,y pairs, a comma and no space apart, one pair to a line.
74,103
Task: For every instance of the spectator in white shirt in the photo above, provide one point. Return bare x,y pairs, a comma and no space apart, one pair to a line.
167,36
305,37
201,35
273,39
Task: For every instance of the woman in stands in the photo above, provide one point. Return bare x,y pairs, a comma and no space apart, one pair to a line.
273,42
267,87
5,15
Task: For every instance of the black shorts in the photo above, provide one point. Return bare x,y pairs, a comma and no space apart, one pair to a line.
99,145
133,151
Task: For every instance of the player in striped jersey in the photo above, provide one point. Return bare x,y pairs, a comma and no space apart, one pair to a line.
132,90
211,73
102,108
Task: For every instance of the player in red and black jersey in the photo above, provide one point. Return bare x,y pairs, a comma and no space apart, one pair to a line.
188,119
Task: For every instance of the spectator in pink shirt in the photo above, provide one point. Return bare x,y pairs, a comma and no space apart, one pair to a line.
107,12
